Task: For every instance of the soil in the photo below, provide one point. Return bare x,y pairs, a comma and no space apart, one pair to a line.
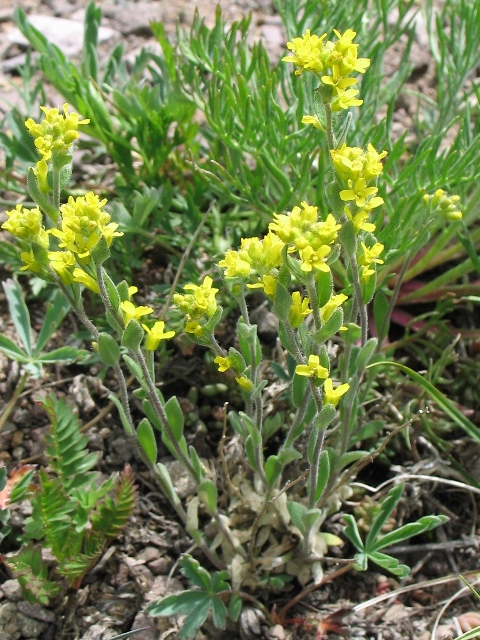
142,564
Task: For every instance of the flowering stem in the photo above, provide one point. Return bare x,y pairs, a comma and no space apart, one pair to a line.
55,187
313,473
312,294
362,307
329,126
290,439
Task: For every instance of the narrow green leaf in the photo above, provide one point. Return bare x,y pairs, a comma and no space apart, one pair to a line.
18,312
443,402
352,533
62,354
11,349
123,416
387,506
56,312
426,523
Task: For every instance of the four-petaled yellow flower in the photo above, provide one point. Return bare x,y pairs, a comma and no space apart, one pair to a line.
132,312
79,275
299,309
224,363
245,383
332,396
313,369
312,259
156,334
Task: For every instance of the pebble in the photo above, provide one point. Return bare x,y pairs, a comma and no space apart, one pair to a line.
12,590
67,35
160,566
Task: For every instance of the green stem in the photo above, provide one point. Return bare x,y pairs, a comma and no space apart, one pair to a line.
11,403
362,307
56,187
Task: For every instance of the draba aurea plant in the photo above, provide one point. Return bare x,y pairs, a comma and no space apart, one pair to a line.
257,518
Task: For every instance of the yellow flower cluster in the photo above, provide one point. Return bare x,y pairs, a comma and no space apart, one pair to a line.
301,235
198,306
84,222
357,171
26,224
256,258
332,62
56,133
306,237
445,205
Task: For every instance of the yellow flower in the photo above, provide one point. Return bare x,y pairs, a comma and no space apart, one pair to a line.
156,334
234,265
299,309
444,204
312,259
313,369
61,262
41,174
268,284
306,52
358,191
193,327
371,254
346,99
79,275
29,262
245,383
132,312
223,363
332,396
199,304
335,301
313,120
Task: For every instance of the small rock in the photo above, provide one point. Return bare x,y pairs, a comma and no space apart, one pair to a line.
160,566
148,554
30,627
66,34
183,484
10,625
36,612
163,586
12,590
137,20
